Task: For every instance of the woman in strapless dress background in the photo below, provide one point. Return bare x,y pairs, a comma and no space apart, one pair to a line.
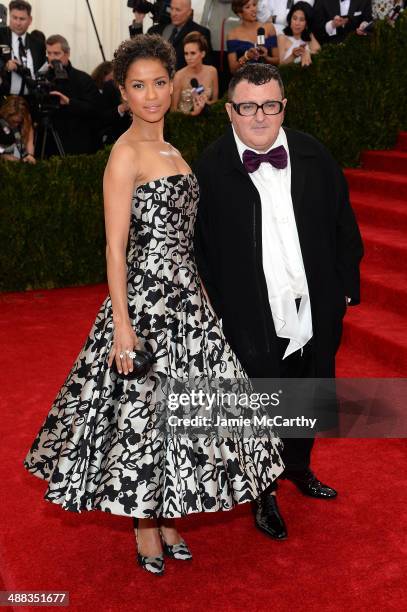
184,98
100,446
241,42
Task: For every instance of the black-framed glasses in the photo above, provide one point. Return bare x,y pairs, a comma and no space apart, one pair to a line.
247,109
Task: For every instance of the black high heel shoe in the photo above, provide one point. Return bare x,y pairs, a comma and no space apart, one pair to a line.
178,551
154,565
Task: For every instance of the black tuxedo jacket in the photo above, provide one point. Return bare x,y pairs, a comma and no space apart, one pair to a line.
190,26
77,122
228,250
325,10
37,51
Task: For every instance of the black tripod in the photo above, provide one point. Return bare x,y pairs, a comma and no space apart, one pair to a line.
47,128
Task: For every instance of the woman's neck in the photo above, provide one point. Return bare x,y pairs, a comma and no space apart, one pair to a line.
146,131
249,25
198,69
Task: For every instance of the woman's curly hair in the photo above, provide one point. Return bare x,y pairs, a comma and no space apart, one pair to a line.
143,46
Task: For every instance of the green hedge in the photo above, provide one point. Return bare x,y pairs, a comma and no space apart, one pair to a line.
352,98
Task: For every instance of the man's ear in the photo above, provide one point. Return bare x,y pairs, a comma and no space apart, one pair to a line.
171,87
228,108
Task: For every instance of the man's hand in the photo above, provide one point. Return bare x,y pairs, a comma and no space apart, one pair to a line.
361,29
12,65
138,17
339,22
64,99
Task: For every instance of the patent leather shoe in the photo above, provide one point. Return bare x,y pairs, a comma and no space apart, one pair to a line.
308,484
268,518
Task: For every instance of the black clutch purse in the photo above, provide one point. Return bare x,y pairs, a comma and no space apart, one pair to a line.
142,362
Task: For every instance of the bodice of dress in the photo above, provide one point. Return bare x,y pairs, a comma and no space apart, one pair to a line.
241,46
162,224
295,43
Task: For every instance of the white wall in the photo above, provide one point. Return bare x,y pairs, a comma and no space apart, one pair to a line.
71,18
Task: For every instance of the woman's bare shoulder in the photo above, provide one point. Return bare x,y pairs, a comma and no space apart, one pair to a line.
269,28
125,156
234,34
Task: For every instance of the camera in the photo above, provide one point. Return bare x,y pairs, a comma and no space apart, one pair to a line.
159,10
44,83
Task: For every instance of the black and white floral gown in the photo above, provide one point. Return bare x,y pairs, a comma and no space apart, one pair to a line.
98,447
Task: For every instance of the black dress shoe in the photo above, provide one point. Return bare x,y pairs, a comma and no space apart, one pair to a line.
309,484
268,518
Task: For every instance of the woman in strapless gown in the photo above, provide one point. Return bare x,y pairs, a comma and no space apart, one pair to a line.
185,98
242,42
100,447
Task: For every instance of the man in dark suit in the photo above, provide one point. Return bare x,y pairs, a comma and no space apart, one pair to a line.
75,121
181,25
278,249
26,51
333,20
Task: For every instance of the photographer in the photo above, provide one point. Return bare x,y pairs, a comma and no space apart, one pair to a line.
77,96
181,25
20,53
158,10
16,131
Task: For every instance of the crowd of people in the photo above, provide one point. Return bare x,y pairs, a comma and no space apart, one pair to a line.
50,107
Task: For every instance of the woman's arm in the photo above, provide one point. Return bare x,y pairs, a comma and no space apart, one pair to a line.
118,186
314,45
176,94
30,142
214,86
233,62
29,147
283,44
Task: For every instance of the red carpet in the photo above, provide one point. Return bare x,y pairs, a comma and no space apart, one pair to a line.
348,553
377,329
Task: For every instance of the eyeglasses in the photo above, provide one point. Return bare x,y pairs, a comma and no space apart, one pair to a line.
247,109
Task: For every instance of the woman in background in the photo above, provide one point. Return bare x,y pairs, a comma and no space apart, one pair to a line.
16,129
298,43
242,41
185,98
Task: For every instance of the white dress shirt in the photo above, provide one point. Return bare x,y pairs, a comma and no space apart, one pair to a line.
344,10
15,78
282,258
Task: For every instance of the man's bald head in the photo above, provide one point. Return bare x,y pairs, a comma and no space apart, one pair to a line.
181,12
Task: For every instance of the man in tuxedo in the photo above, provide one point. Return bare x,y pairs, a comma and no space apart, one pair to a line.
26,51
333,20
181,25
75,121
278,250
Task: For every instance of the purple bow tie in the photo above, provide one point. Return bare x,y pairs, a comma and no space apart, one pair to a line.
276,157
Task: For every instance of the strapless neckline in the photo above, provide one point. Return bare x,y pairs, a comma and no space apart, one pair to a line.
180,176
